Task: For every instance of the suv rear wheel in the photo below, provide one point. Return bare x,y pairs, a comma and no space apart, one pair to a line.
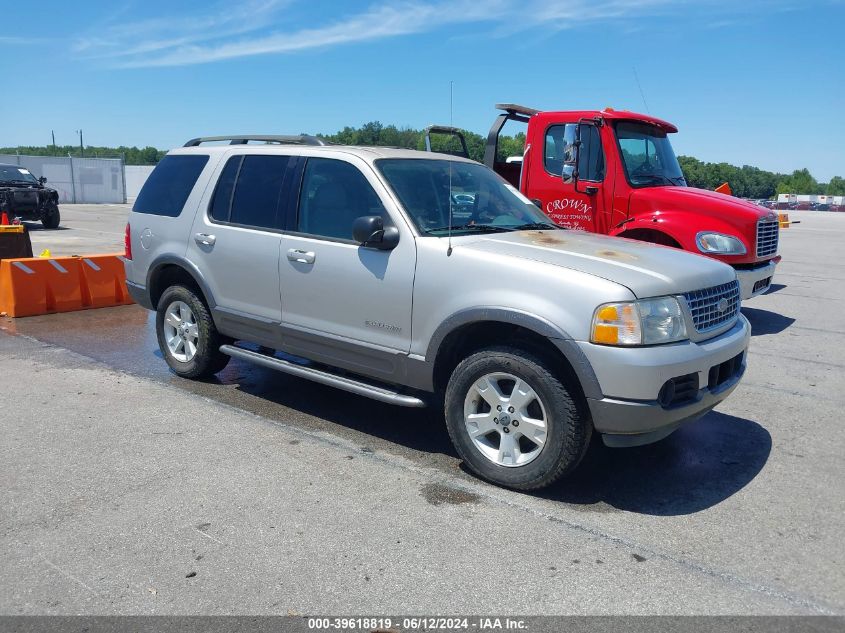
513,420
187,336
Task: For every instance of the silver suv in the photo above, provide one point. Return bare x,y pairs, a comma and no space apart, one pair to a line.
416,278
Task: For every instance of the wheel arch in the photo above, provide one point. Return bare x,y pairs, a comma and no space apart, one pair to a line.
469,331
168,270
652,236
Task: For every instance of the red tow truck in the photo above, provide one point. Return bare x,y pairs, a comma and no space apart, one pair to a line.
614,172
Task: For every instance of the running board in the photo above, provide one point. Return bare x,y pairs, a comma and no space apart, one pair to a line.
323,377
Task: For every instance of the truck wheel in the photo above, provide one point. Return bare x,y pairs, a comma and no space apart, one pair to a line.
187,336
513,420
51,217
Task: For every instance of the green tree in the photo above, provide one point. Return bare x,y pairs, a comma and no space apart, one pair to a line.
836,186
800,181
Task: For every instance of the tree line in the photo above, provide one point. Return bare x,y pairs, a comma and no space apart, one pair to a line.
745,181
131,155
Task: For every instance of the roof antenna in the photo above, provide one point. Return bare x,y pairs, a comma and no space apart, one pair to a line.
449,197
637,79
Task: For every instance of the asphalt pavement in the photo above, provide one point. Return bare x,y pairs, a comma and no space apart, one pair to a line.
129,490
85,229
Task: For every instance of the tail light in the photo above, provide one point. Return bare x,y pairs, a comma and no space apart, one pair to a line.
127,244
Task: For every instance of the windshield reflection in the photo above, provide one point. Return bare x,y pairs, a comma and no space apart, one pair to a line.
479,199
648,156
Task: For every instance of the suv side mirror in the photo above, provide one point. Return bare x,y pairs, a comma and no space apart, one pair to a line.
42,180
570,175
369,230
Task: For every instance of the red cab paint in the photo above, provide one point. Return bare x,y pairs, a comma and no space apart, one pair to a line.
614,172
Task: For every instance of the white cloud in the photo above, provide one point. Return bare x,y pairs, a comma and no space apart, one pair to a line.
244,29
225,19
378,22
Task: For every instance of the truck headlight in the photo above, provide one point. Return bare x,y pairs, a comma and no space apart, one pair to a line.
719,244
644,322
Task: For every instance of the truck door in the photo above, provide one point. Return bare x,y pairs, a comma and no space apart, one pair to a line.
567,206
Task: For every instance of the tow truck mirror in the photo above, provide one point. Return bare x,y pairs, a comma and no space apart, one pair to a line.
570,166
369,231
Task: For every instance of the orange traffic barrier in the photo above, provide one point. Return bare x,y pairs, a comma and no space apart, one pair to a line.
103,281
34,285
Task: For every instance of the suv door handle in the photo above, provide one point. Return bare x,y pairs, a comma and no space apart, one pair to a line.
205,239
303,257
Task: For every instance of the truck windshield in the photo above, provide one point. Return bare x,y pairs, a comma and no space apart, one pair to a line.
648,156
11,173
480,200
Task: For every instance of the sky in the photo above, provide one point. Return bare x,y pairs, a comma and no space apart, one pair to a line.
747,82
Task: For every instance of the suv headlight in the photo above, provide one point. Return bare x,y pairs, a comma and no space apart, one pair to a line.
719,244
644,322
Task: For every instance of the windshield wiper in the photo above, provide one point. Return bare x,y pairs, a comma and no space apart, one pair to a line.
471,227
541,226
655,177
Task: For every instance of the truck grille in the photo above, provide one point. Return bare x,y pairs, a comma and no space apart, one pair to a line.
767,237
704,305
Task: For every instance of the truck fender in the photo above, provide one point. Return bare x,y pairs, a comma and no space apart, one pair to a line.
681,226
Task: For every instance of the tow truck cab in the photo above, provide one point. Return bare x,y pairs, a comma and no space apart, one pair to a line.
614,172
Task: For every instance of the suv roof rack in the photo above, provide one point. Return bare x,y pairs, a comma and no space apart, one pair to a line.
243,139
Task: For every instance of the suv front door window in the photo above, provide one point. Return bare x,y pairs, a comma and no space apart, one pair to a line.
334,194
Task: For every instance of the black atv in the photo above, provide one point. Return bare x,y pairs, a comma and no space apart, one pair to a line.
25,196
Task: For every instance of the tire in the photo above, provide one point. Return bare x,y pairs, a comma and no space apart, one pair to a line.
527,456
51,217
198,355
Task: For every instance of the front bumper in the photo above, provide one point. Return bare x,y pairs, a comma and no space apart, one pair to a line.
629,413
756,281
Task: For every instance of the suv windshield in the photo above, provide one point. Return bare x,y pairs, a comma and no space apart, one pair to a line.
12,173
648,156
480,200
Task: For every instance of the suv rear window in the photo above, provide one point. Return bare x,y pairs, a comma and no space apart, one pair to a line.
170,184
255,200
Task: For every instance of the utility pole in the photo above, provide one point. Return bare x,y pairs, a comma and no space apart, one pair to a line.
53,134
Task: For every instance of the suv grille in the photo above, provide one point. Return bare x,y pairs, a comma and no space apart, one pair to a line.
767,237
704,305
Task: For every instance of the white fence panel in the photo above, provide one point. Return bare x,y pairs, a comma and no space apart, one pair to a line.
81,180
136,176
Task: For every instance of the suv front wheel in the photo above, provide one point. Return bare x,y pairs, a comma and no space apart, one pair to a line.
187,336
513,420
51,217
